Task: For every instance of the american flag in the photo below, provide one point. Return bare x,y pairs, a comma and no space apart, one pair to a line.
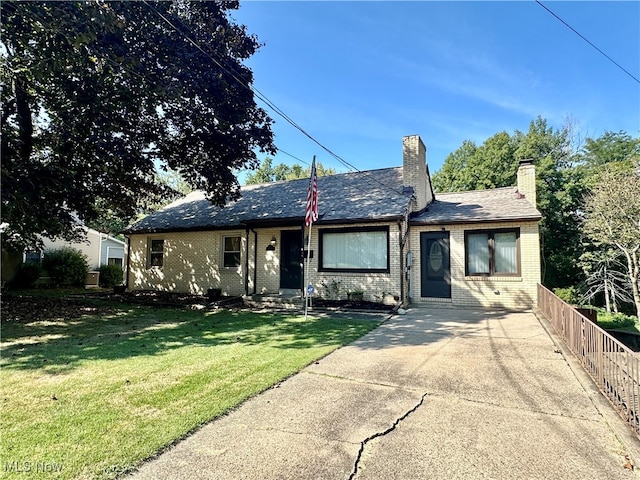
311,214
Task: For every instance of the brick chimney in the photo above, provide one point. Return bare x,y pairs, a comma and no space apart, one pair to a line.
527,180
415,172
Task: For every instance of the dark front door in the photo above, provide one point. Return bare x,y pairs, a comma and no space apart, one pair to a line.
435,272
291,259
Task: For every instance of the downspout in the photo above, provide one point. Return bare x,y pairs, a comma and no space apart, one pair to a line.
255,260
128,259
401,261
100,251
403,242
246,262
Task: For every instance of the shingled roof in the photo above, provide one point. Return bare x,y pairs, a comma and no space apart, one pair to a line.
495,205
374,195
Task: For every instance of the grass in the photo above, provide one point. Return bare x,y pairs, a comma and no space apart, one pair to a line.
91,397
617,321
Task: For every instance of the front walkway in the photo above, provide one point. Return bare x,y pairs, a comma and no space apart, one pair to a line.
434,394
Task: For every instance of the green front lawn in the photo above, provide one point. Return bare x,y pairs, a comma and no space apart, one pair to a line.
91,397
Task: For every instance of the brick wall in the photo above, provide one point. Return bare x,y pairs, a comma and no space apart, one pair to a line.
500,292
414,170
374,285
191,263
192,259
527,180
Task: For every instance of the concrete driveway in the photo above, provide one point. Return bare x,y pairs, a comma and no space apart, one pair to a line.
434,394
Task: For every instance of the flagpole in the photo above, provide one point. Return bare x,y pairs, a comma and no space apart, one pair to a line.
306,297
310,215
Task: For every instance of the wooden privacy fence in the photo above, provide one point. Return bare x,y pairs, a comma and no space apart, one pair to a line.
614,367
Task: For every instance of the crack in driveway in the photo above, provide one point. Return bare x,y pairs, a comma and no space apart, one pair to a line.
356,464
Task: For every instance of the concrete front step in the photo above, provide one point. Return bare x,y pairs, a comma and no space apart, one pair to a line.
275,301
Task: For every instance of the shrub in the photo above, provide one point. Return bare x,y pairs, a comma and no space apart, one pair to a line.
569,295
66,266
615,320
27,275
111,275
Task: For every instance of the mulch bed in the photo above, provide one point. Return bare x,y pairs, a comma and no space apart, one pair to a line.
24,309
351,305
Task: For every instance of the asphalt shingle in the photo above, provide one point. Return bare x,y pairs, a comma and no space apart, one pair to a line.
495,205
372,195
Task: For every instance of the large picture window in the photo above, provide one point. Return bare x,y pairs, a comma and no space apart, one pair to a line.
355,249
156,252
231,251
492,252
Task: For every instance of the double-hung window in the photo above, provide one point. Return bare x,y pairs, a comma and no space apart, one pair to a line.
33,256
364,249
492,252
155,252
114,261
231,251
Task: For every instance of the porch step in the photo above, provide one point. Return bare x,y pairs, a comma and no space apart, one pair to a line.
275,301
290,292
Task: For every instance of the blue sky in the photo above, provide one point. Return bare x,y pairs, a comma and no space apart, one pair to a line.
358,76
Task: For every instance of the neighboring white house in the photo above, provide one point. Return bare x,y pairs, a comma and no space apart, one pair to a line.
99,248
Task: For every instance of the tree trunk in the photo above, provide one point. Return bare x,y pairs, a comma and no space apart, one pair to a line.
606,292
634,275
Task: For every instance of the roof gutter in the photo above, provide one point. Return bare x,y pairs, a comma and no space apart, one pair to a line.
477,220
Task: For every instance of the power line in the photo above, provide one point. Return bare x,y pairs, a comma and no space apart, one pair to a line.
262,97
588,41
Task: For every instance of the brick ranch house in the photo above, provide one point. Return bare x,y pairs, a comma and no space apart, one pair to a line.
382,232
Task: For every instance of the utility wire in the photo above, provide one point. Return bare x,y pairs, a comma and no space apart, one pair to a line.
263,97
589,42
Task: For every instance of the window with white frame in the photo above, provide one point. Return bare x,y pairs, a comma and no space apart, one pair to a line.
155,256
364,249
231,248
492,252
114,261
32,256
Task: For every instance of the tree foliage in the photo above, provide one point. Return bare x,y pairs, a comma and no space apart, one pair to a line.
92,93
268,173
559,191
612,217
492,164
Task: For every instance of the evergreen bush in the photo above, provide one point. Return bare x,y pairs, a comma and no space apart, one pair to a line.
111,275
66,266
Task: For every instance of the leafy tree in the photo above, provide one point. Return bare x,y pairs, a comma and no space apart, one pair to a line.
92,93
452,176
110,222
610,147
612,217
268,173
559,187
493,164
